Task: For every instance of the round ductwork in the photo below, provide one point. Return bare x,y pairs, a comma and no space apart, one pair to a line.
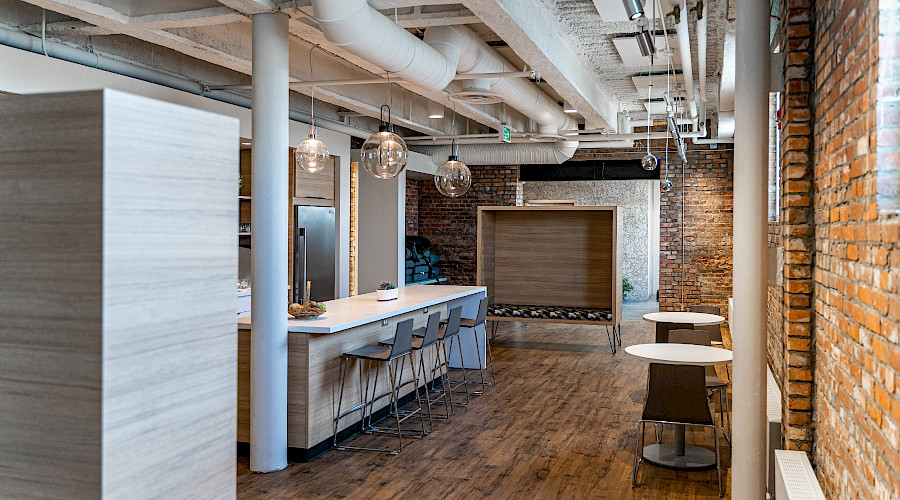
477,92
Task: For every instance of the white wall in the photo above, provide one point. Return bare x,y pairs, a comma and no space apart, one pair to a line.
382,235
24,72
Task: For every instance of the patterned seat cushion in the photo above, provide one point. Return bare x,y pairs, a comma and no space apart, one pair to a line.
550,312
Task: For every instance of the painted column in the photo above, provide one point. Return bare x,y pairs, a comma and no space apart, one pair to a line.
750,240
268,340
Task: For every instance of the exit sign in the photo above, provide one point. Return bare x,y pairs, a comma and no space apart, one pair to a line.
505,133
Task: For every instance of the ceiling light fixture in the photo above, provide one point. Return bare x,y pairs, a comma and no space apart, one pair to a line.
312,154
645,43
435,110
634,9
384,154
568,108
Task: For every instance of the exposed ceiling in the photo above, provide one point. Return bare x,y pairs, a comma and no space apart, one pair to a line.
583,51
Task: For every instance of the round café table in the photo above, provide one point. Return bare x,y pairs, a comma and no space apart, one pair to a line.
693,318
679,455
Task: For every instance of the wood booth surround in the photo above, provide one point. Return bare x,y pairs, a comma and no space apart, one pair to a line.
554,256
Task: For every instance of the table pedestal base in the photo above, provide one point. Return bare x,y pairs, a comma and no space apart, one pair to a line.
694,458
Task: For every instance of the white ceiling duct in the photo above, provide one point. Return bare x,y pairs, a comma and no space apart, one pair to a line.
432,63
503,154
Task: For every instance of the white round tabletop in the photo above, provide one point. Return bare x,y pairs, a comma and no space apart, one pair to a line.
680,354
696,319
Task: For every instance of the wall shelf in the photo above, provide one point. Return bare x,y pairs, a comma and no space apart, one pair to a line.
243,234
243,198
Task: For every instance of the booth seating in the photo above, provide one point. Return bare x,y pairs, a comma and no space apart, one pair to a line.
553,264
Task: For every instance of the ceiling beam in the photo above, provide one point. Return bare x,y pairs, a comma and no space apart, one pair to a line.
534,34
251,7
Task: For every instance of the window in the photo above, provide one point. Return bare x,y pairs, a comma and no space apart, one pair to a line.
887,110
774,157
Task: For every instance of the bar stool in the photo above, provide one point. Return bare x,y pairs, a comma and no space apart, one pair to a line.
450,331
424,338
380,355
715,331
489,361
663,328
713,384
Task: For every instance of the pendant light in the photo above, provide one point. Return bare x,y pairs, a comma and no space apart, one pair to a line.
312,154
453,178
384,154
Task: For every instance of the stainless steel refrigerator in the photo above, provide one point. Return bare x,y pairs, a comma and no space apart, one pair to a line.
313,253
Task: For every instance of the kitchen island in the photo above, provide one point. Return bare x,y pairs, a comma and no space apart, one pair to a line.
315,347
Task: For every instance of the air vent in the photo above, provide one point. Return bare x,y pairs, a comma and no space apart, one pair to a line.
588,170
477,92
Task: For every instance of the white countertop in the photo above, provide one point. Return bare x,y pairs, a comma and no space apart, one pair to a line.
342,314
680,354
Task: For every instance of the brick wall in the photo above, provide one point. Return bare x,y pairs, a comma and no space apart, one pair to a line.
708,223
450,223
412,206
791,346
857,265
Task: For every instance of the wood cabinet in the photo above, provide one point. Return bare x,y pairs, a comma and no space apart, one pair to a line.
314,189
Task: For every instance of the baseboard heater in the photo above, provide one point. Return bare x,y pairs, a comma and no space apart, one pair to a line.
794,477
773,428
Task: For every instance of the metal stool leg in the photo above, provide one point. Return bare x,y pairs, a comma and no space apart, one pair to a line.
412,366
480,365
396,408
462,362
638,450
491,363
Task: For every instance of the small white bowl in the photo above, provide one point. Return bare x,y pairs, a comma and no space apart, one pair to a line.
387,294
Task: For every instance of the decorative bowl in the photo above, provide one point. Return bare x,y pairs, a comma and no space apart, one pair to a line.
306,312
387,294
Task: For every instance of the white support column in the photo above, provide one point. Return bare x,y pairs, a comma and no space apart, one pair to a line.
750,235
268,341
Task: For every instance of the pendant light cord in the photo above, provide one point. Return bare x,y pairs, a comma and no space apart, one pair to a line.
312,92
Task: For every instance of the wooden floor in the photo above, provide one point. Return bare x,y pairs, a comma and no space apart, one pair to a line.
560,423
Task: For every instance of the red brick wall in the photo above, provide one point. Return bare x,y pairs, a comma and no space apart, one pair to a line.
791,345
450,223
857,265
412,206
708,223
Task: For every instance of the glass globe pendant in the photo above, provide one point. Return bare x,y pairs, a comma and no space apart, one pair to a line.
384,154
649,162
666,185
453,178
312,154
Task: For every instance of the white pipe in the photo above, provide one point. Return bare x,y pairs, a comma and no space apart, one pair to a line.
701,58
684,52
434,62
610,144
360,29
268,339
750,241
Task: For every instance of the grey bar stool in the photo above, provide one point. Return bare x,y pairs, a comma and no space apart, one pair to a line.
675,395
713,384
423,338
380,355
450,331
479,320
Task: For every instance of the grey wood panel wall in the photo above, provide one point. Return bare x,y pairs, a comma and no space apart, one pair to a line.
118,351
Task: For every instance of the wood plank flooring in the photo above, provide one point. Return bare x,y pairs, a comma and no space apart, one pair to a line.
560,423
